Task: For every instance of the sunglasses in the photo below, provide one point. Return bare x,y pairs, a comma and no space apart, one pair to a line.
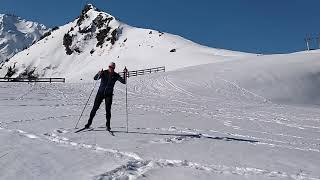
111,67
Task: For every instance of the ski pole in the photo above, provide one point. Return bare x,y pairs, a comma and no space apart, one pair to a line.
87,101
126,79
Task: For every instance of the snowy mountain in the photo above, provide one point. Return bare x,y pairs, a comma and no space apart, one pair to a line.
16,34
79,49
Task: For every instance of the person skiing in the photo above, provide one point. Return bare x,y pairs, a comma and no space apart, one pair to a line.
108,79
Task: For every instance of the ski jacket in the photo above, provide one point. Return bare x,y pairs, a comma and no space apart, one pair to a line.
108,81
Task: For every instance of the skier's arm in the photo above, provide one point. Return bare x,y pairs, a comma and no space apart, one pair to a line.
98,75
121,79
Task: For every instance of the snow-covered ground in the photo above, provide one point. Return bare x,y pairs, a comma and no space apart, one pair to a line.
256,118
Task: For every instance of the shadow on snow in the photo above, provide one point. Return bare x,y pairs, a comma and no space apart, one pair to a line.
198,136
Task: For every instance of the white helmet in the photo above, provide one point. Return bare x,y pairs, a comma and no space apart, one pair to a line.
113,65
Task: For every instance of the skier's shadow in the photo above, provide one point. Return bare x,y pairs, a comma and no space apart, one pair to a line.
231,139
198,136
160,134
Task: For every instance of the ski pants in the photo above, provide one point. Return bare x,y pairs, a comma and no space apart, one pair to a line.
97,103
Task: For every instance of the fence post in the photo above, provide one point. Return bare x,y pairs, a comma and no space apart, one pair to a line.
308,39
319,41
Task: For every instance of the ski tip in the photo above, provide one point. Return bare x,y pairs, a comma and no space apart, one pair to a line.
81,130
111,132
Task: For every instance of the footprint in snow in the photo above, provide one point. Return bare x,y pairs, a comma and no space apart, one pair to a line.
61,131
31,136
172,128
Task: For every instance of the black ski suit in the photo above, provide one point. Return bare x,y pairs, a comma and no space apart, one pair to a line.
105,92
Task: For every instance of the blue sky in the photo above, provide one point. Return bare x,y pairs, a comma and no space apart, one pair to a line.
259,26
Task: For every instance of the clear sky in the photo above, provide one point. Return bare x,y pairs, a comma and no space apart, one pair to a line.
259,26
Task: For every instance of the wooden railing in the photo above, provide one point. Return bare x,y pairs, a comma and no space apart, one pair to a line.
63,80
144,71
49,80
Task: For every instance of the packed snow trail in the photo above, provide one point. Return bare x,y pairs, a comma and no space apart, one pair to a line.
46,127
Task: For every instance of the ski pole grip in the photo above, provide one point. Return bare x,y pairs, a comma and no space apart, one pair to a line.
125,71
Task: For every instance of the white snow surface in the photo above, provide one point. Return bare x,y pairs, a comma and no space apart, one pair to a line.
16,34
248,119
135,48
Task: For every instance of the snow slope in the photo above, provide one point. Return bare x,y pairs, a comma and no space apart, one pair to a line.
16,34
97,38
284,78
224,120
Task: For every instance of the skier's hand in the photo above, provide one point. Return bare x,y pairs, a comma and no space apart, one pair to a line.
125,74
125,70
100,72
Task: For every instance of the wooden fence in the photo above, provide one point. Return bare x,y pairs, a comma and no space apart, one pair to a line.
63,80
49,80
144,71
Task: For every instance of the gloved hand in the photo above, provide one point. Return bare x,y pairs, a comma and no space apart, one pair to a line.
100,72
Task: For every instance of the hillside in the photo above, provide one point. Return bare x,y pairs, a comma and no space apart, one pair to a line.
283,78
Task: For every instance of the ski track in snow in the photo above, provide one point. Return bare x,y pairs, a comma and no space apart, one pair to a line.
42,119
185,102
256,118
237,137
137,167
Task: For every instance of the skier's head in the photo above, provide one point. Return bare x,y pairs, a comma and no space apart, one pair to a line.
112,66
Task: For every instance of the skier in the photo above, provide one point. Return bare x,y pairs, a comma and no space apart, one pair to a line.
108,79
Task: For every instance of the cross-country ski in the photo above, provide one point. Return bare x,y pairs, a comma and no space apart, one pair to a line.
84,129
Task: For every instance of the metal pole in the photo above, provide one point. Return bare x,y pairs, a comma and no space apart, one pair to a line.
87,102
319,41
127,108
126,78
307,41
